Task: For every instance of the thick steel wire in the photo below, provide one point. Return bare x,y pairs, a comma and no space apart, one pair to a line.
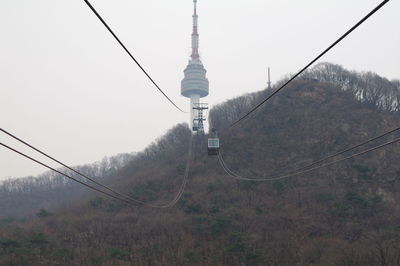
68,167
125,198
344,151
232,174
309,64
338,153
131,56
65,175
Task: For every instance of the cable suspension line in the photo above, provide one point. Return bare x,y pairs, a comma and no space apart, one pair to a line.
65,175
335,154
232,174
131,56
346,150
312,62
125,198
69,168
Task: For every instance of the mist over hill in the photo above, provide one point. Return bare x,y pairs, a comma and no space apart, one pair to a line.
345,214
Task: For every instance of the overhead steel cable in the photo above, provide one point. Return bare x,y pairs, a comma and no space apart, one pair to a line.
131,56
309,64
327,157
65,175
344,151
335,154
69,168
347,150
278,177
126,198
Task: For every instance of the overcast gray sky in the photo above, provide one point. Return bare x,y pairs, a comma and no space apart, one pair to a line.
68,88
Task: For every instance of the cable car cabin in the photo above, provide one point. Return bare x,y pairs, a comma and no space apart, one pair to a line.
213,146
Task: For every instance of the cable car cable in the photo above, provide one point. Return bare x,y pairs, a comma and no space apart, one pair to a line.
348,149
127,199
312,62
65,175
68,167
131,56
344,151
231,173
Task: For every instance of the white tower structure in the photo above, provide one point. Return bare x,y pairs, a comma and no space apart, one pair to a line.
269,79
195,84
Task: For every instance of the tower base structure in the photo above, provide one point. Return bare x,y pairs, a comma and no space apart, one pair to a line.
198,122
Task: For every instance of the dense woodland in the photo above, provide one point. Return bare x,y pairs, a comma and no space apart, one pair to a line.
345,214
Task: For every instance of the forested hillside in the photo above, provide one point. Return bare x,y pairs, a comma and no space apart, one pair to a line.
345,214
22,197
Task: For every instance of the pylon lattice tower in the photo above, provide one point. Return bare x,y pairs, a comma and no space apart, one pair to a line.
198,121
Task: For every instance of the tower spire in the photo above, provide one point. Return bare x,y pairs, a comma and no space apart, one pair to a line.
195,35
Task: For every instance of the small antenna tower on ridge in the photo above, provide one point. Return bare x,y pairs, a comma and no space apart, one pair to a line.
269,79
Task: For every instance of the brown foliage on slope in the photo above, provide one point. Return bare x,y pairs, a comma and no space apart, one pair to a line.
346,214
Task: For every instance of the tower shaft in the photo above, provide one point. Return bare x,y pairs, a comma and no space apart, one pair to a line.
194,113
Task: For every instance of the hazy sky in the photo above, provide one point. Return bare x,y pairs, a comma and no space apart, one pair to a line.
68,88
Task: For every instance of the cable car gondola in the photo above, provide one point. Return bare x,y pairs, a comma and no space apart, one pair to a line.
213,146
213,143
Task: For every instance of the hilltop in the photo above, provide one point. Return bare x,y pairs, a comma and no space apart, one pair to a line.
345,214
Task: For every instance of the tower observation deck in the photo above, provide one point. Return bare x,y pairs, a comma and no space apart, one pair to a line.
194,84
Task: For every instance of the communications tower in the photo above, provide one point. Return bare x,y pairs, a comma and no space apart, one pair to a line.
269,79
195,84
